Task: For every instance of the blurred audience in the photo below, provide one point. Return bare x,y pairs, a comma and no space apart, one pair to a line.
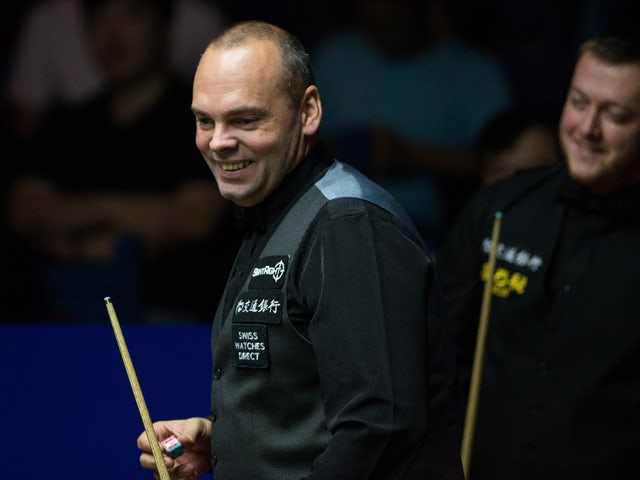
412,96
52,59
515,139
114,196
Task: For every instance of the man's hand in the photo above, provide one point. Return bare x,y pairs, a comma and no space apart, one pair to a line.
195,436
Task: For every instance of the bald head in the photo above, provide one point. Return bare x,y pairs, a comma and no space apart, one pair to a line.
296,67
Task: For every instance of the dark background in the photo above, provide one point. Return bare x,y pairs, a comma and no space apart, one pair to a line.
67,410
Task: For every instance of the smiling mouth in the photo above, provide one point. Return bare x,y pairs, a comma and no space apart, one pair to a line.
588,152
232,167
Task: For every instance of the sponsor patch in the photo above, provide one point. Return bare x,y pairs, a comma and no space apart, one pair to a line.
269,272
504,281
250,346
259,307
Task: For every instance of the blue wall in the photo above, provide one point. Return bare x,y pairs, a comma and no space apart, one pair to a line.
67,408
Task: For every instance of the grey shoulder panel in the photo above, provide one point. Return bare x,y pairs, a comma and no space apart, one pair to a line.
344,181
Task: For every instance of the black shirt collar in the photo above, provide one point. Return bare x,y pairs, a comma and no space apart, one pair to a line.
307,172
622,205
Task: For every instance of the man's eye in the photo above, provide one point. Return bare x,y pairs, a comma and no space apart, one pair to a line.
578,102
246,122
618,117
204,122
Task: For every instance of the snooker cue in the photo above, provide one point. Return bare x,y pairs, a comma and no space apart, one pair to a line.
137,391
478,359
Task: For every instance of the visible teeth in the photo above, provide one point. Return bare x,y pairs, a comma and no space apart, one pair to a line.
229,167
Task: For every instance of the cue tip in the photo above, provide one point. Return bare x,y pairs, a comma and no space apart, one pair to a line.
498,214
107,299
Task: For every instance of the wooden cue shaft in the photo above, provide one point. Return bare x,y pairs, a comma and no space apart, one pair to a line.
478,360
137,392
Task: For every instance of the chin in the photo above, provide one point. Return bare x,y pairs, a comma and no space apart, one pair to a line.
584,173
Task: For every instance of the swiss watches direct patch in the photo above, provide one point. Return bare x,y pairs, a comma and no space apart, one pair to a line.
250,346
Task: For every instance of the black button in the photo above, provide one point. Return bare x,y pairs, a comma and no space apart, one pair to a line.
217,373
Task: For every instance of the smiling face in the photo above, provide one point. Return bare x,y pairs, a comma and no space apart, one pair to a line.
246,130
600,124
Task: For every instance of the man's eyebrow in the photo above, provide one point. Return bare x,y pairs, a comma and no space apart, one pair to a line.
235,112
247,110
606,103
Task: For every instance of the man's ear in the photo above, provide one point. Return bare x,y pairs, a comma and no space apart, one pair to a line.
311,111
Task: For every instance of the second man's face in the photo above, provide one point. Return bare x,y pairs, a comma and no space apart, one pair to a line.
600,125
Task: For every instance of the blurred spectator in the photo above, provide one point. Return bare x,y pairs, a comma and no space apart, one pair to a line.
515,139
115,196
401,88
52,61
